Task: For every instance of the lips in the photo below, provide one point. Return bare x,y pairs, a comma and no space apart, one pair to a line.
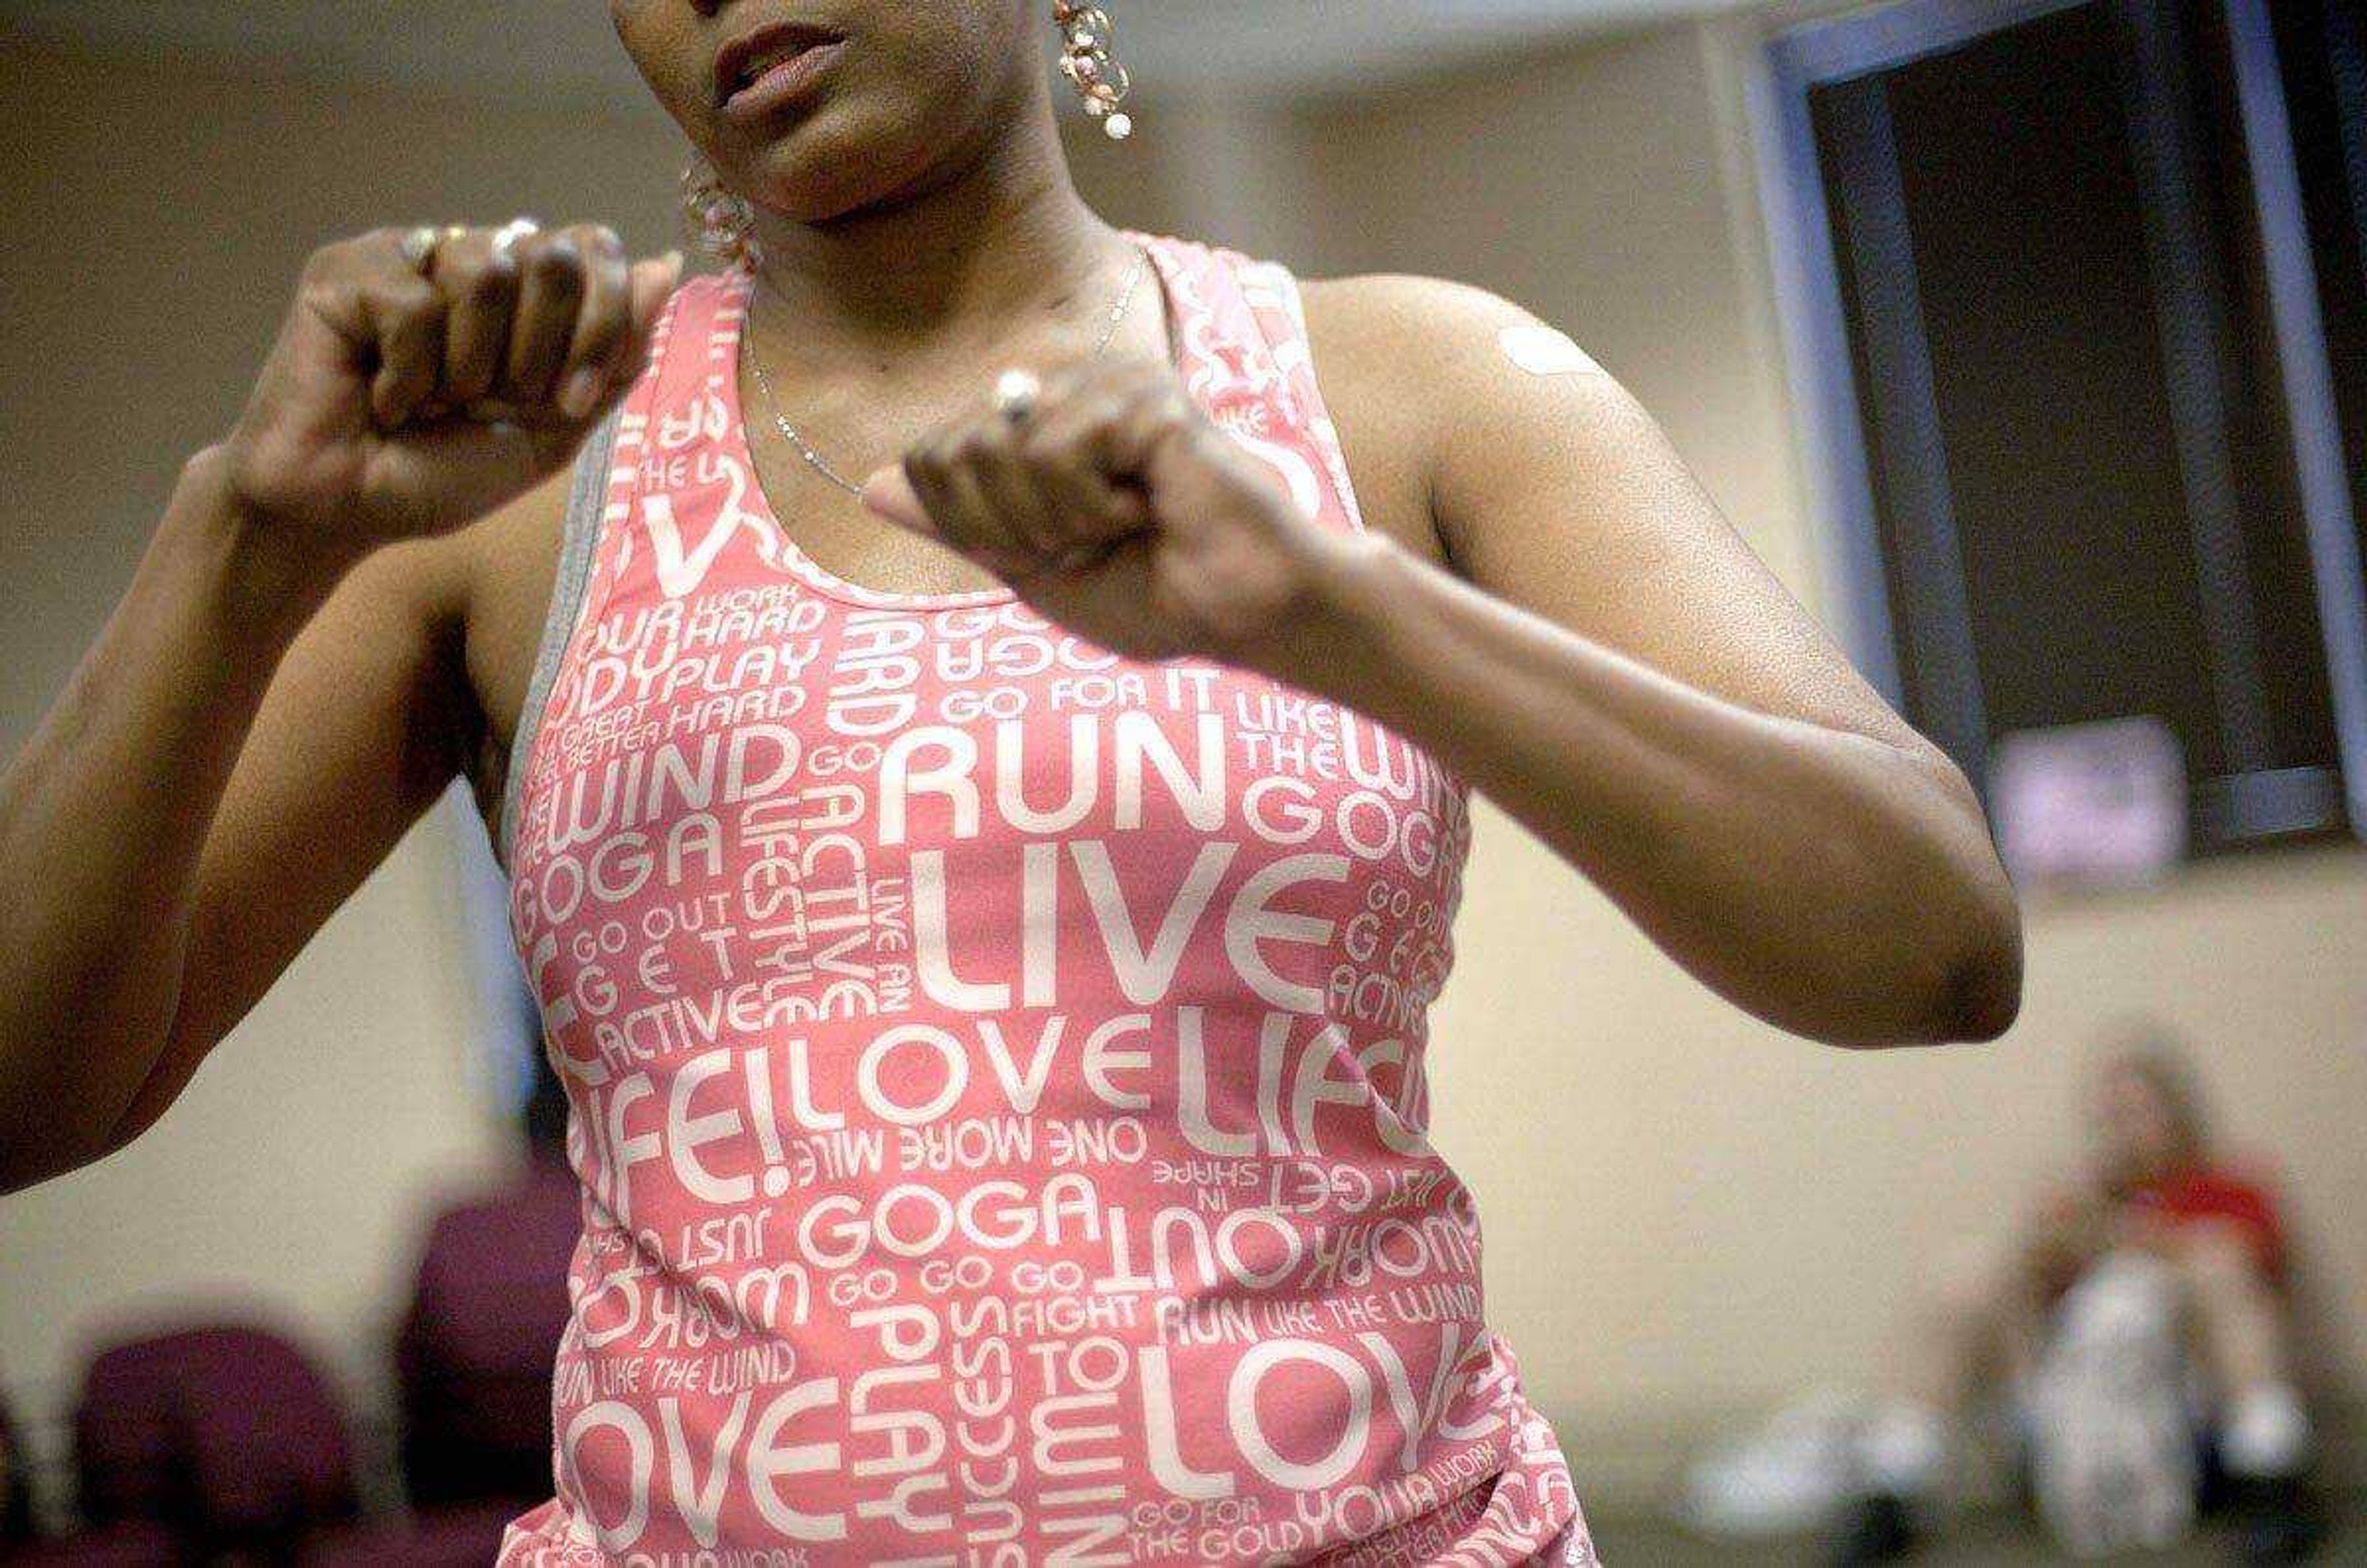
748,59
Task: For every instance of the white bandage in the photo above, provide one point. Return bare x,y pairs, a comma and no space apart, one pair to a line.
1542,350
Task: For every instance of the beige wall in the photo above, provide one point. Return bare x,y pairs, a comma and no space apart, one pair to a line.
1686,1213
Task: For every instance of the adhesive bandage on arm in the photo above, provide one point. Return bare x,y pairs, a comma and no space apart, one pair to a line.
1542,350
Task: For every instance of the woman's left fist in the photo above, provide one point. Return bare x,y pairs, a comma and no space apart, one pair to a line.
1115,507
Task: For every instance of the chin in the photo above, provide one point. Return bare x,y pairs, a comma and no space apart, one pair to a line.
837,161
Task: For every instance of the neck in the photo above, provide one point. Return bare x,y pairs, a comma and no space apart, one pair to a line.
1003,240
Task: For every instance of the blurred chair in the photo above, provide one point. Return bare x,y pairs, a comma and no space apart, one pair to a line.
472,1365
16,1488
221,1436
132,1544
474,1357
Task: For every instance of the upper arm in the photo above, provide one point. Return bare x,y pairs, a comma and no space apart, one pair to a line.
1551,487
363,726
360,731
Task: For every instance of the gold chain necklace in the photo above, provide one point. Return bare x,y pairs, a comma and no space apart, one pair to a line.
814,459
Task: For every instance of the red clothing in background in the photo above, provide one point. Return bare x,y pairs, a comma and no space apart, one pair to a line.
2208,1193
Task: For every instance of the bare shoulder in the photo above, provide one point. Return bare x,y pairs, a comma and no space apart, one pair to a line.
1403,310
1415,367
1470,343
1366,333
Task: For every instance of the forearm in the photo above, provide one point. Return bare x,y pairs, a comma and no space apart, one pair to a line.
1834,884
103,814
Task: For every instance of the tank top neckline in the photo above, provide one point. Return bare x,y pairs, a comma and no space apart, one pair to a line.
740,285
1082,1001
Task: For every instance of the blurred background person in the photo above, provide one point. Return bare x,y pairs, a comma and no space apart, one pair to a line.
2004,1318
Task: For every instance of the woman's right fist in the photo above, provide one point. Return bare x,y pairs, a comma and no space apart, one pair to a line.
416,386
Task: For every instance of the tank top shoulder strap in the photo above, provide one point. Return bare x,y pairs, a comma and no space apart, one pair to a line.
675,418
593,551
579,533
1245,356
1270,289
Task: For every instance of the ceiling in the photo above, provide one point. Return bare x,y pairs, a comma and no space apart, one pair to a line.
565,47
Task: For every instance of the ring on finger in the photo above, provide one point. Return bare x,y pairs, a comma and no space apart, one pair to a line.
420,240
506,237
1016,392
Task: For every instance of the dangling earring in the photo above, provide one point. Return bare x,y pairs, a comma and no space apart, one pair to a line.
719,223
1085,60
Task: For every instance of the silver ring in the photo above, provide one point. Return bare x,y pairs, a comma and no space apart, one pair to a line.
1016,394
506,237
418,243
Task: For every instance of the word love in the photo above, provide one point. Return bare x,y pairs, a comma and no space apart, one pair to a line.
803,1463
714,1121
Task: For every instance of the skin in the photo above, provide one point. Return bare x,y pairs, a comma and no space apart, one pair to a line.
2134,1130
339,611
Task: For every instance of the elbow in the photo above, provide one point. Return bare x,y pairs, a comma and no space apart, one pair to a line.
29,1158
1982,995
41,1140
1952,976
1937,995
1971,979
1967,966
27,1164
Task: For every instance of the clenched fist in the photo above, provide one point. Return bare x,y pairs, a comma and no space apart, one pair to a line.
1117,508
416,386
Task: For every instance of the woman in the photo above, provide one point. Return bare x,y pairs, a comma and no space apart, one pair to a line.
985,929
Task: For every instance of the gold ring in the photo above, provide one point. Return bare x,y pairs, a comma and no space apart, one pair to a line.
420,240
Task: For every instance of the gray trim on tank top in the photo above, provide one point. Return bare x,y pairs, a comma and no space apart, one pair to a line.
588,503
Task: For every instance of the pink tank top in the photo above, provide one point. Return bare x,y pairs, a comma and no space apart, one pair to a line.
995,1066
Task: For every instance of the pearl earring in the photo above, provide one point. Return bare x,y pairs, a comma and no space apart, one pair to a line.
1101,82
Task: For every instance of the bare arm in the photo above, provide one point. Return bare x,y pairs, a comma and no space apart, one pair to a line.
234,754
280,694
1612,665
1604,658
